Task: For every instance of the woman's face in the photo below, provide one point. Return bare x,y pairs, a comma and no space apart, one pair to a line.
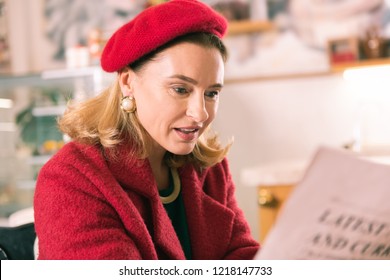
177,95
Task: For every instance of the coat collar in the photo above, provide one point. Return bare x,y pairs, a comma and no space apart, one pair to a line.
205,216
136,178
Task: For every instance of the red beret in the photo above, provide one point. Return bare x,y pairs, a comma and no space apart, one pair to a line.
156,26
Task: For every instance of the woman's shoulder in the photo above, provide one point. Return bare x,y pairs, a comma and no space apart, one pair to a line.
220,169
76,154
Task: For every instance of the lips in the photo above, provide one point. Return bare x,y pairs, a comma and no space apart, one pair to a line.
187,130
188,133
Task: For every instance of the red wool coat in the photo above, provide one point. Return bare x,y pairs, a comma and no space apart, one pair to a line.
87,207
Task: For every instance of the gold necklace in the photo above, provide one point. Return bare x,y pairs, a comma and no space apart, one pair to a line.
176,188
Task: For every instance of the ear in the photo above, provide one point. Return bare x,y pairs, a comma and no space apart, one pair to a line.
126,80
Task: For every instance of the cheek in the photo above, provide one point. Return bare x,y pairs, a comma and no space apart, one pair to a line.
148,105
156,114
212,109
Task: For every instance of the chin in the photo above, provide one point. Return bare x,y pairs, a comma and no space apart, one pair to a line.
182,151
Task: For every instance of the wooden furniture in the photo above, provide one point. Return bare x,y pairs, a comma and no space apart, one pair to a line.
271,200
339,67
249,26
274,182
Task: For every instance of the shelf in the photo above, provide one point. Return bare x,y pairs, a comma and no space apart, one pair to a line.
39,160
339,67
273,77
334,69
10,80
26,184
249,26
48,111
71,72
54,76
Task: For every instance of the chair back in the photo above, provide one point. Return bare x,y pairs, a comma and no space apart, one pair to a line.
17,243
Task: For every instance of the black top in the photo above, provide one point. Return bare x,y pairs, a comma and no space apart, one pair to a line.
177,214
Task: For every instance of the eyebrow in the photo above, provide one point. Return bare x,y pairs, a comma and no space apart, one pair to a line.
193,81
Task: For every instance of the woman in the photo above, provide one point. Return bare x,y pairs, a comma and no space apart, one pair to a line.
143,178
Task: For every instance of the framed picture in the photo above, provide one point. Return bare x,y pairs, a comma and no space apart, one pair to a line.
343,50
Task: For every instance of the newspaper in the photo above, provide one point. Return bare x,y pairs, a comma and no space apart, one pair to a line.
339,210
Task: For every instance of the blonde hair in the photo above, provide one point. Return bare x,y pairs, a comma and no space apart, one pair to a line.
101,121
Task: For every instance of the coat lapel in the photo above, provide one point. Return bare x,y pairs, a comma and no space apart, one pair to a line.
138,182
210,222
165,236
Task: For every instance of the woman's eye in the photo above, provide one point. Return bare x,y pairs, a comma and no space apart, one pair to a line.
212,94
180,90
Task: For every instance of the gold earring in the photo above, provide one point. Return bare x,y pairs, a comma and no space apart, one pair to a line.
128,104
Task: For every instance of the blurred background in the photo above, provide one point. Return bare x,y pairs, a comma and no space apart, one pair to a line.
301,74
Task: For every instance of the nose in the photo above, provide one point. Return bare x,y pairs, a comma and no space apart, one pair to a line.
196,108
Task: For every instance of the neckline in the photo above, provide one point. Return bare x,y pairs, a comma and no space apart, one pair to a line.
176,188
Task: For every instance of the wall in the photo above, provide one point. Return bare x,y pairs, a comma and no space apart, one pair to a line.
286,120
30,50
